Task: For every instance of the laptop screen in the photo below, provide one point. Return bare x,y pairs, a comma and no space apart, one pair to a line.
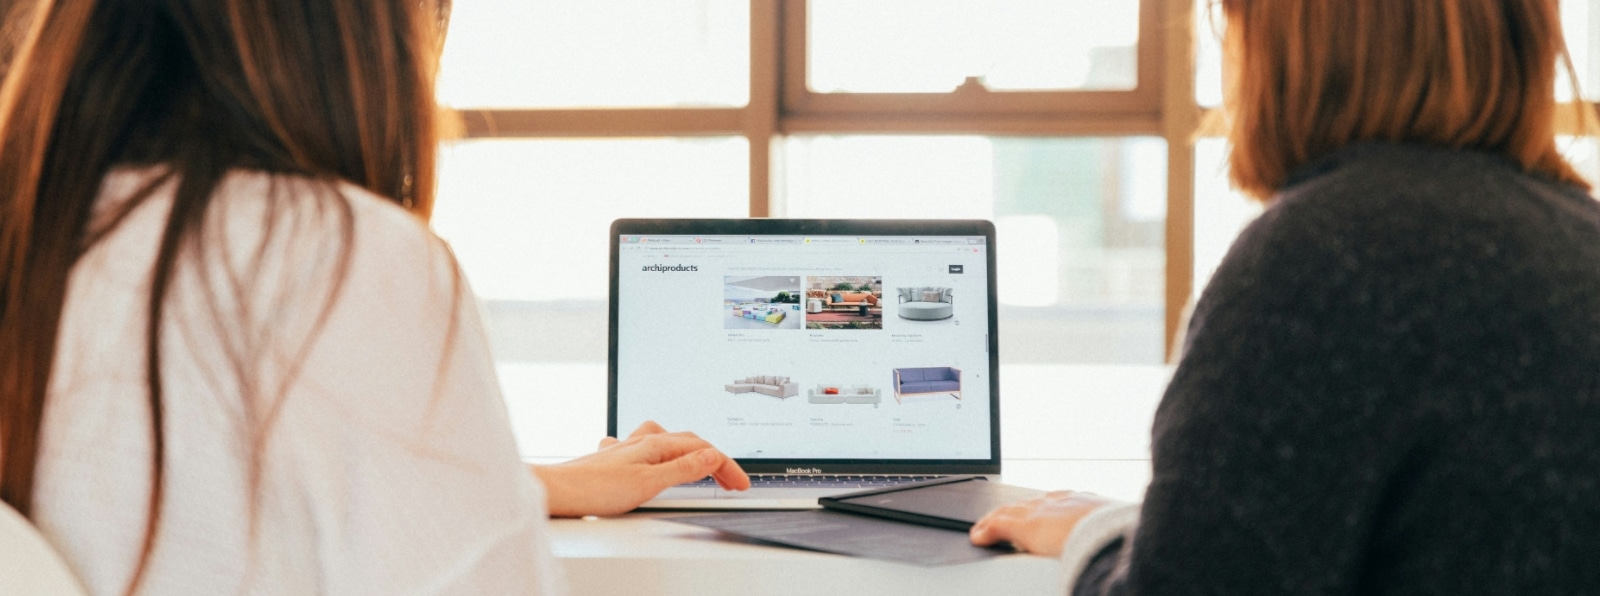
803,342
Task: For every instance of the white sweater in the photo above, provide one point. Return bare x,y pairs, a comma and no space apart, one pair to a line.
387,465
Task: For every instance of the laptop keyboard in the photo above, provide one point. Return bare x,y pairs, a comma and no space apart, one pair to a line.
819,481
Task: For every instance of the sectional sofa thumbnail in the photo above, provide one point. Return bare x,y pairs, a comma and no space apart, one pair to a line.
773,385
759,312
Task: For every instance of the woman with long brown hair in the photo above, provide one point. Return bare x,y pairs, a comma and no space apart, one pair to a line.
232,357
1392,383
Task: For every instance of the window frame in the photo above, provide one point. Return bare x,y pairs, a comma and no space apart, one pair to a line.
973,100
1162,104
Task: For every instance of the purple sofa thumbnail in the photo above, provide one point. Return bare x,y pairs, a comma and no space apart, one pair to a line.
921,381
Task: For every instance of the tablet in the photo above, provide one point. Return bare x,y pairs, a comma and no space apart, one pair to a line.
956,502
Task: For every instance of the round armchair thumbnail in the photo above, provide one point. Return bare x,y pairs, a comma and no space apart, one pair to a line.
925,304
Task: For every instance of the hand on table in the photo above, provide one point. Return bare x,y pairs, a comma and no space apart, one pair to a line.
624,474
1040,525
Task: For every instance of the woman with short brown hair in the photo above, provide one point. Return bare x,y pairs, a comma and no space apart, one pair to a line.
1392,383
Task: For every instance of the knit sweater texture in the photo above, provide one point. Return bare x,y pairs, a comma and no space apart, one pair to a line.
1390,386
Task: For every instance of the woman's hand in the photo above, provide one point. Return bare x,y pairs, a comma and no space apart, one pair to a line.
1040,525
624,474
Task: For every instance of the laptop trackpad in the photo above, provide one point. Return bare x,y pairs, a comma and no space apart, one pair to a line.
689,492
780,493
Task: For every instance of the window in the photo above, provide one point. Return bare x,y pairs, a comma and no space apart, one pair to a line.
1019,111
527,221
598,53
1070,133
1581,24
1080,223
935,46
1074,134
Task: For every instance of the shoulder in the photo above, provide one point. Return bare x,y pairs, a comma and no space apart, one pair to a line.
319,228
1384,239
256,224
1386,188
295,259
357,292
1373,205
309,206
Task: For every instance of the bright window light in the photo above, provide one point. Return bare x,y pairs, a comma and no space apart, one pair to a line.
889,176
1220,213
1580,20
932,46
596,53
529,218
1029,257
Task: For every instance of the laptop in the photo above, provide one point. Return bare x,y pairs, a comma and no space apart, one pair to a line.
825,356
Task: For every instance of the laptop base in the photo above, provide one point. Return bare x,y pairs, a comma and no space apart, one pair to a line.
707,496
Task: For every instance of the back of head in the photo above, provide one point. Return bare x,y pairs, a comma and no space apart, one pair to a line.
323,89
1307,77
328,90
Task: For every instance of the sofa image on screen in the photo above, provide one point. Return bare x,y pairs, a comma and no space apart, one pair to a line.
844,394
843,300
775,386
925,304
926,381
761,312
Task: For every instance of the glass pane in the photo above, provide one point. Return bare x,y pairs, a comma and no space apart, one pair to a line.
932,46
1080,224
528,220
1208,53
1581,23
1220,213
596,53
1584,153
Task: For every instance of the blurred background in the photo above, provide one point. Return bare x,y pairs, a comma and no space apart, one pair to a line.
1080,127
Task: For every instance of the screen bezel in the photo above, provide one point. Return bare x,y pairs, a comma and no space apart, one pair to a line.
825,227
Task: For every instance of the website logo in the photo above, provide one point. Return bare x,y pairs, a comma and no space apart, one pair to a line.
666,268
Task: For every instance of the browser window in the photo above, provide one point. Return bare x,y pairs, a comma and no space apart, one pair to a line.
808,347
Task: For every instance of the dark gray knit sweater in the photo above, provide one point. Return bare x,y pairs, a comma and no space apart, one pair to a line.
1391,386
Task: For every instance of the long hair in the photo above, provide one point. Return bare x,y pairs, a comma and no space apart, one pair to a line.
318,89
1307,77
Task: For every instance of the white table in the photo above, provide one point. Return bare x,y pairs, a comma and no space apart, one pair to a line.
1077,427
639,555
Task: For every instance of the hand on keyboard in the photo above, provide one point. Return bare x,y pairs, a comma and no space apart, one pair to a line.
624,474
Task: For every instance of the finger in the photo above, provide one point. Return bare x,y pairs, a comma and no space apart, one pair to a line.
688,468
655,449
999,524
648,428
608,441
730,475
670,446
980,532
991,529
